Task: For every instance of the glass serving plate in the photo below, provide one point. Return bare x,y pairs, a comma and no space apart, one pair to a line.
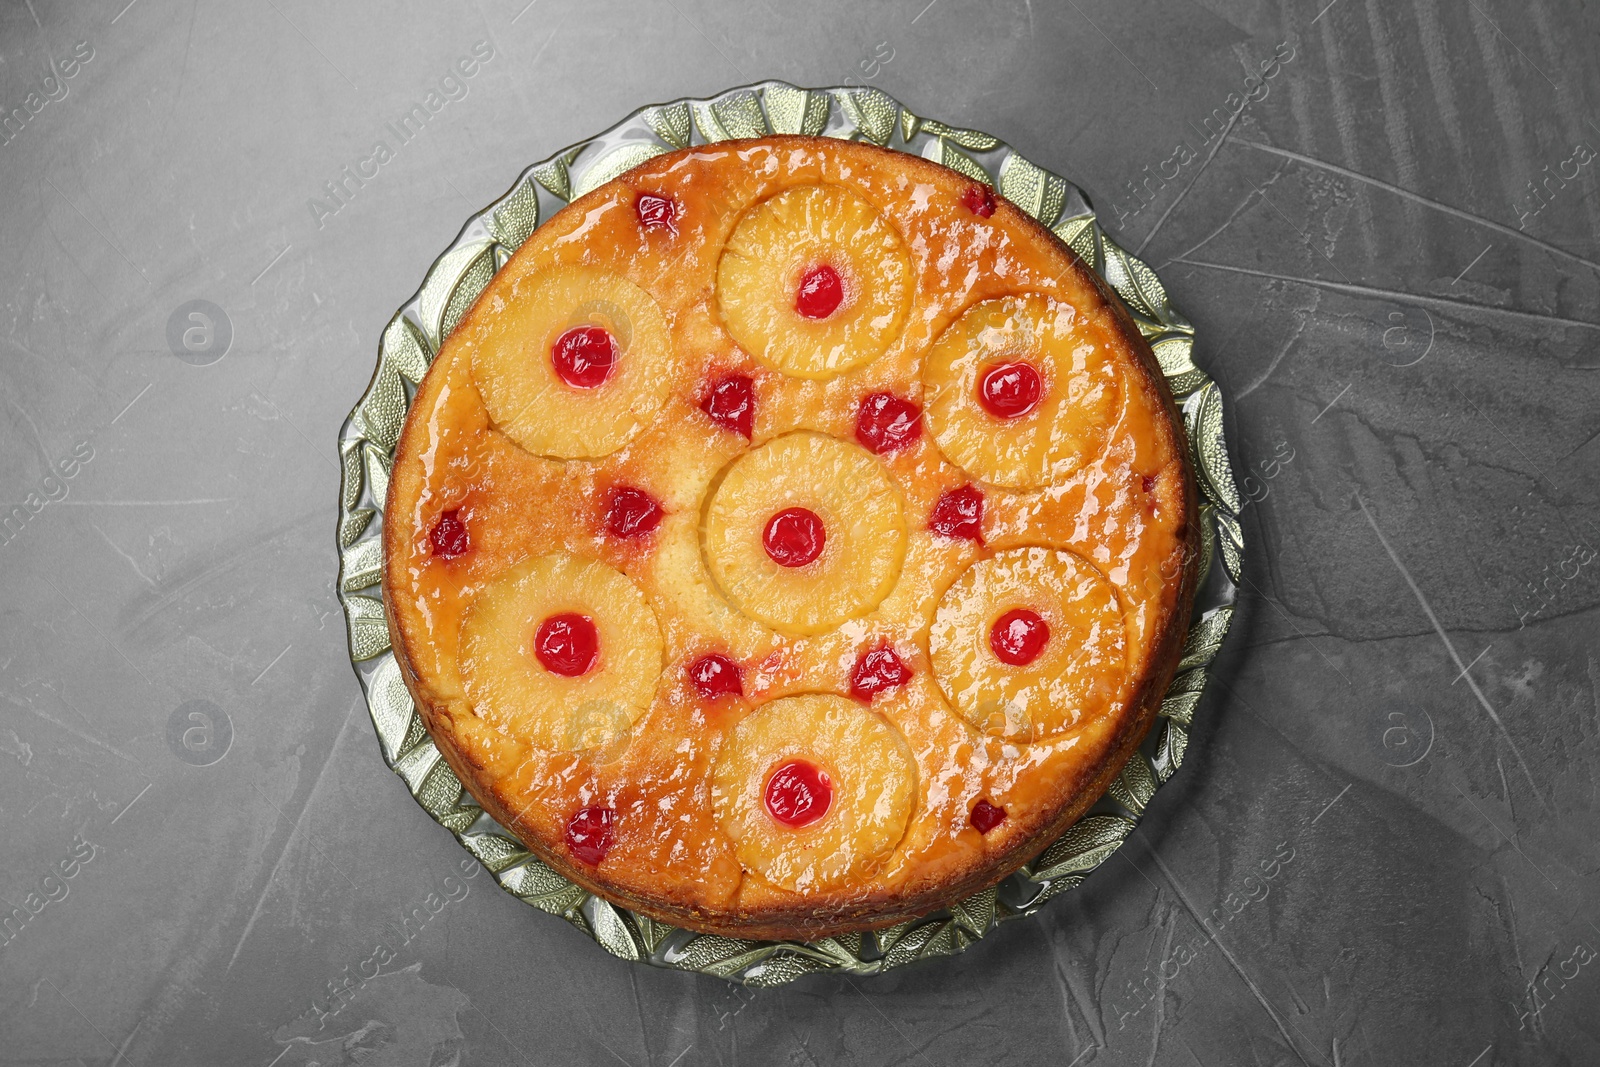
366,450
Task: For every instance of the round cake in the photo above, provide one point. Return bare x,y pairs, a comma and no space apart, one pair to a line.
794,538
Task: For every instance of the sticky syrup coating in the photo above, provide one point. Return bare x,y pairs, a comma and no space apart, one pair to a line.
1128,512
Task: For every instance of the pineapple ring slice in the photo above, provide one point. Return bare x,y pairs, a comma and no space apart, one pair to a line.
1081,673
508,687
770,253
1073,417
869,767
861,510
528,401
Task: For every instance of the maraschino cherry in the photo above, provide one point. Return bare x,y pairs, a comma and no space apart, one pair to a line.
979,199
584,356
820,293
730,403
794,537
1010,390
958,513
716,675
590,834
1018,637
631,512
876,671
567,644
656,212
798,794
449,535
885,422
985,816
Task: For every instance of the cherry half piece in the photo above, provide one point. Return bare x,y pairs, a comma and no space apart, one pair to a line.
820,293
959,514
731,404
656,212
885,422
1010,390
979,199
1018,637
631,512
449,535
878,670
794,537
798,794
985,816
590,834
567,644
584,356
716,675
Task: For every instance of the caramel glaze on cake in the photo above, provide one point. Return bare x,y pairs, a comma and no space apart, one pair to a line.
762,724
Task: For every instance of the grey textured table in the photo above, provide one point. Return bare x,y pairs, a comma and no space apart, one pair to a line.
1388,245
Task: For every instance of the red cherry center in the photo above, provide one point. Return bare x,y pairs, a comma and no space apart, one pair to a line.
794,537
1018,637
567,644
821,290
985,816
584,356
878,670
731,404
656,212
959,514
886,422
798,794
449,535
590,835
1010,390
631,512
716,675
979,199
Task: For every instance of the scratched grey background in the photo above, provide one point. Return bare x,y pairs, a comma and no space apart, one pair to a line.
1382,848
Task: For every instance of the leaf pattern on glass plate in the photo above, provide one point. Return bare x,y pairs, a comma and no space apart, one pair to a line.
1182,695
368,438
473,281
959,161
614,162
349,481
1204,411
909,125
612,933
1170,747
1135,785
405,351
554,177
361,566
973,139
1033,189
1084,846
516,215
872,112
799,111
670,123
369,632
383,410
391,705
440,283
740,115
440,790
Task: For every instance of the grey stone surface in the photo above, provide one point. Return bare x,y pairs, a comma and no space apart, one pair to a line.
1404,728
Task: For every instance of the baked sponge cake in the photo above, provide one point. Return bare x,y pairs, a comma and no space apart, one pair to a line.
792,539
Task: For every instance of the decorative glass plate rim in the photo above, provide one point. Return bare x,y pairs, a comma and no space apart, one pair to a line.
366,449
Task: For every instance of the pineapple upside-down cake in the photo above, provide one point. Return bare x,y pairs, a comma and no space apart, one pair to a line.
794,537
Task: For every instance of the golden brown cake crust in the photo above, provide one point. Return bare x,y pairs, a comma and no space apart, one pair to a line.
672,858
